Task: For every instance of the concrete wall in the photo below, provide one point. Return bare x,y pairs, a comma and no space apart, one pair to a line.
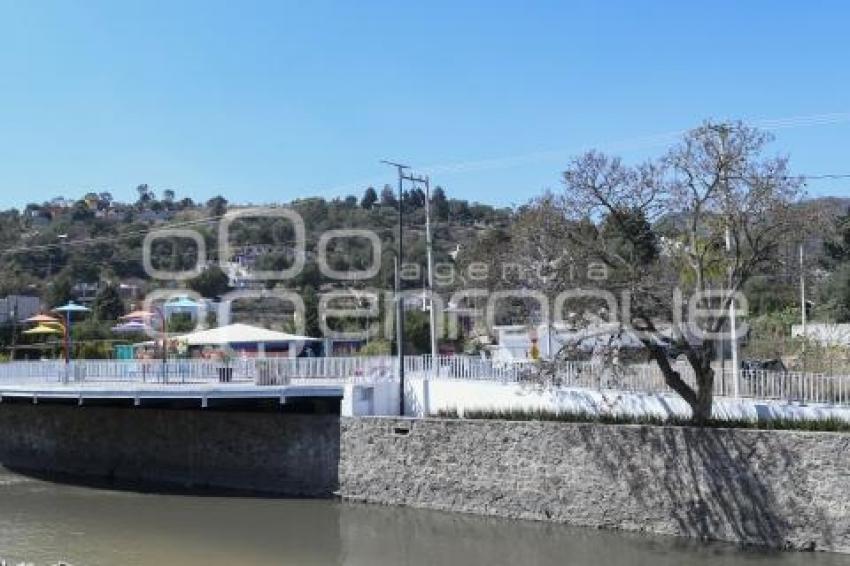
781,489
268,452
374,399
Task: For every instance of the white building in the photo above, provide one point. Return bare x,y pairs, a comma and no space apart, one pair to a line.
18,307
518,341
827,334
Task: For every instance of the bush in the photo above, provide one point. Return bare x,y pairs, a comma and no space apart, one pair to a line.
820,425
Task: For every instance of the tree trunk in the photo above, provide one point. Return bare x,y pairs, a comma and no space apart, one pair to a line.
699,398
701,407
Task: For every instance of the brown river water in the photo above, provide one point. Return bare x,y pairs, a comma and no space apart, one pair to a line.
43,523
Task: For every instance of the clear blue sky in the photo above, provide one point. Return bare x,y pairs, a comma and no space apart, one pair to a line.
267,101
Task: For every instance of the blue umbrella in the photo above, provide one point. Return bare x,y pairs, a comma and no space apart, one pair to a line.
181,303
67,309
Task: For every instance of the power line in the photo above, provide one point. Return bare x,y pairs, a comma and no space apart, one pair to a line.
827,176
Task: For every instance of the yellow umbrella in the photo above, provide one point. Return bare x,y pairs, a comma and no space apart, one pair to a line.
44,329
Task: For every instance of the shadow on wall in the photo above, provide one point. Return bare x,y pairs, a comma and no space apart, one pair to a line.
746,486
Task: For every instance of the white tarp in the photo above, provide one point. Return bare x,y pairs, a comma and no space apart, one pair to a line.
240,334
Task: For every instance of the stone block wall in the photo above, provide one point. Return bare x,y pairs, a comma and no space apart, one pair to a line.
780,489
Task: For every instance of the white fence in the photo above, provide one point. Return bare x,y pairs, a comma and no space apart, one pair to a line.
647,378
791,386
259,371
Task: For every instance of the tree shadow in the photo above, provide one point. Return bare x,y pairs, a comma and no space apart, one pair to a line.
713,484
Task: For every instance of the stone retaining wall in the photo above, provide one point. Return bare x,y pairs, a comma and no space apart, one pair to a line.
781,489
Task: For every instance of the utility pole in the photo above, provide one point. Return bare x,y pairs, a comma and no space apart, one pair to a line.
402,177
723,130
14,327
429,246
399,321
733,325
803,314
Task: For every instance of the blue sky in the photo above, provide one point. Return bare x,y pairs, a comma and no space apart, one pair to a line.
268,101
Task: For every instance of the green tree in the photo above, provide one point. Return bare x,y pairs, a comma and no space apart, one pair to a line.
212,283
630,236
104,200
388,197
417,333
459,211
370,197
91,339
377,347
180,323
108,304
440,204
145,195
719,181
58,291
838,249
834,304
217,206
311,312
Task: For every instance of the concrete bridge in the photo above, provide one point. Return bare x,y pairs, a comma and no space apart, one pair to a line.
365,385
144,382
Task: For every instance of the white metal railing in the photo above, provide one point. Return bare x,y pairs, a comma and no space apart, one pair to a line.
261,371
646,377
466,367
792,386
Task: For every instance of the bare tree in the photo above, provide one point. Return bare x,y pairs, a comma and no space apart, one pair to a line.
708,216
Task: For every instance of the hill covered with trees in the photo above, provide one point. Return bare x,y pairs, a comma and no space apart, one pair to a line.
62,248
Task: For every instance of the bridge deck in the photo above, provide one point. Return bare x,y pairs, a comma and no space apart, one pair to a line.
158,391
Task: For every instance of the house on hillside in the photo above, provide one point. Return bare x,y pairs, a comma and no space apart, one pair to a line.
85,292
131,289
825,334
15,308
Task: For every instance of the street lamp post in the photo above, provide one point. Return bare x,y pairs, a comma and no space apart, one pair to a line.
67,309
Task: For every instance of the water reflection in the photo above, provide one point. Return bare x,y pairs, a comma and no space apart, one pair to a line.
43,522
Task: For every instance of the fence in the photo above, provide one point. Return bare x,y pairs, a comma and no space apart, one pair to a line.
646,378
791,386
467,367
259,371
106,371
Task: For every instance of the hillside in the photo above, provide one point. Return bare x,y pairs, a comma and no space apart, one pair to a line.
70,248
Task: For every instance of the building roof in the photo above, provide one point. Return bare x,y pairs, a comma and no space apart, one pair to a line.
240,334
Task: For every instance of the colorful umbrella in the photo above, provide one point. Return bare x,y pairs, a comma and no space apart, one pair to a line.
70,307
44,329
42,318
67,309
